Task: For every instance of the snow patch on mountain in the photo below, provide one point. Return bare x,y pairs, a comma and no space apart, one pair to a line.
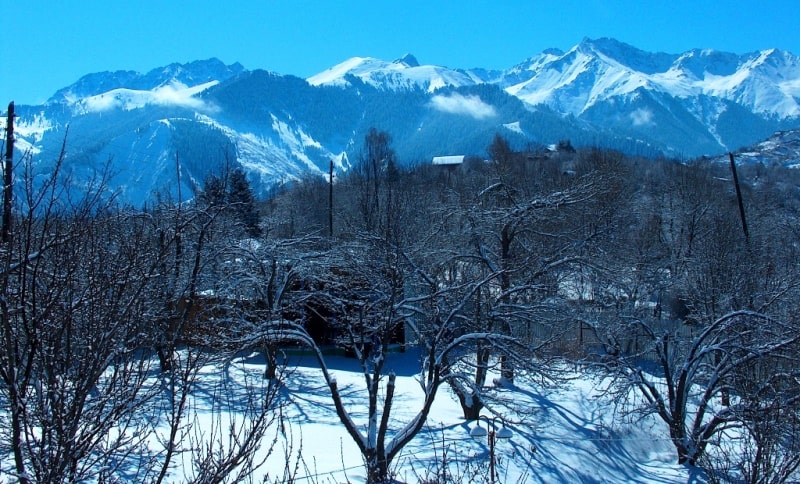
291,151
29,131
577,80
190,74
335,75
566,86
514,127
297,141
766,82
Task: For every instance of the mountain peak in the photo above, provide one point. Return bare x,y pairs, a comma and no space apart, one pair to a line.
606,44
189,74
409,60
553,51
403,73
627,55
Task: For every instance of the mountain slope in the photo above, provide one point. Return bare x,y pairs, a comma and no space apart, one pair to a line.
197,117
684,95
781,149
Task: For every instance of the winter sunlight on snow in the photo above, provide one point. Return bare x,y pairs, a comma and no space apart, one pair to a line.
382,243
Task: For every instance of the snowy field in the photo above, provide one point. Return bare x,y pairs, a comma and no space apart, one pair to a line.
571,433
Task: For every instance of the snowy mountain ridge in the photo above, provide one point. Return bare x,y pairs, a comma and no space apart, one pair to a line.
766,82
189,75
403,73
280,127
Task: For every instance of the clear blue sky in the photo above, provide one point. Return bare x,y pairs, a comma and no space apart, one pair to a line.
53,43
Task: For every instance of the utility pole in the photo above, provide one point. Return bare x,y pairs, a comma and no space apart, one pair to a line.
726,397
8,174
330,202
739,198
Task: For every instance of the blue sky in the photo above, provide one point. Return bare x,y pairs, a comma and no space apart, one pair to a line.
53,43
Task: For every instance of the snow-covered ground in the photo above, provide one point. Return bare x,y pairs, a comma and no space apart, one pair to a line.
570,433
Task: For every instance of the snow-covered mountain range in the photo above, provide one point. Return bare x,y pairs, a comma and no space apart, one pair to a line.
196,117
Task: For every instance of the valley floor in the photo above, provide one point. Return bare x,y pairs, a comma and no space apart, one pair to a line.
572,433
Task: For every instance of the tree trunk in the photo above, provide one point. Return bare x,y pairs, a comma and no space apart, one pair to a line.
506,371
472,403
377,468
686,457
16,437
506,236
164,358
687,454
270,354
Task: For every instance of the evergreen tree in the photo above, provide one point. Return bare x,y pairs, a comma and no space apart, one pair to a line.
213,191
240,196
233,193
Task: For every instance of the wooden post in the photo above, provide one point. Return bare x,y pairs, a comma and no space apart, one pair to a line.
8,175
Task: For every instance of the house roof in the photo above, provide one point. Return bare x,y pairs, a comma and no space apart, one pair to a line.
448,160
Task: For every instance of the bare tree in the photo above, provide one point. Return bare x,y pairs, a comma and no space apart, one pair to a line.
695,319
766,448
375,168
365,291
535,242
84,285
697,371
71,314
206,298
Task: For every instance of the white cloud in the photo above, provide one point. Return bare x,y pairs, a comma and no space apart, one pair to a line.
176,95
459,104
642,117
173,94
